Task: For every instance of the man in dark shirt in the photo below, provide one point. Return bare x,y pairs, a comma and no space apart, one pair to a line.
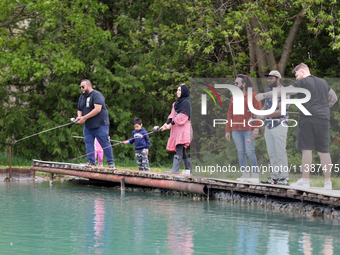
92,111
313,130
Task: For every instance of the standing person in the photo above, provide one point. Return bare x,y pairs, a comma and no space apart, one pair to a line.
313,130
142,144
275,134
98,153
92,111
244,134
180,129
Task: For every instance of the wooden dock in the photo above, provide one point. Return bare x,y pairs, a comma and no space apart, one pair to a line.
192,184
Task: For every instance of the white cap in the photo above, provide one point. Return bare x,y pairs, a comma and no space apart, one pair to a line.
274,73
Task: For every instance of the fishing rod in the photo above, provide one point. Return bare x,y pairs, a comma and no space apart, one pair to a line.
155,129
12,141
83,137
209,87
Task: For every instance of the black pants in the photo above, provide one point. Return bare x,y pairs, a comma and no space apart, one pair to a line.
180,151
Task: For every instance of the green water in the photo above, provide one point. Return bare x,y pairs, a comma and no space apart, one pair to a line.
73,218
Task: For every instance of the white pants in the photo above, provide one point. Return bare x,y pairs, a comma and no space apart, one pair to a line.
276,147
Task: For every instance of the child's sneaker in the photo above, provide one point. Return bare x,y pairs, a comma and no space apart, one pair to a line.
328,185
283,181
270,180
112,165
301,184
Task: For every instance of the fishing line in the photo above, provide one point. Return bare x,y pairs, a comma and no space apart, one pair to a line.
157,129
72,122
83,137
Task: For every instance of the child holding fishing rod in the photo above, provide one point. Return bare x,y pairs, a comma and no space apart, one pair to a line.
141,140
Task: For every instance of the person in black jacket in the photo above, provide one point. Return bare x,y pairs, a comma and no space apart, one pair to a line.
142,144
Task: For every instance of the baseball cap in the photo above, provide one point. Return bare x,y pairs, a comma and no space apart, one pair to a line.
274,73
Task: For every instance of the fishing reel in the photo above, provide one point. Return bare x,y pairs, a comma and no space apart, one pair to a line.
156,128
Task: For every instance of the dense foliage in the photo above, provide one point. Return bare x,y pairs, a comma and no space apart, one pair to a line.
135,52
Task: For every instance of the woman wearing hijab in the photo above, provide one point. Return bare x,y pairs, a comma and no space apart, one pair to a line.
180,129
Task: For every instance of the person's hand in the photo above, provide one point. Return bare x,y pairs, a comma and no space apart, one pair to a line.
147,152
259,97
227,136
80,120
126,142
166,126
260,117
255,133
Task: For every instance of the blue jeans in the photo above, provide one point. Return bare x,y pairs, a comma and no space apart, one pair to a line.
245,145
102,135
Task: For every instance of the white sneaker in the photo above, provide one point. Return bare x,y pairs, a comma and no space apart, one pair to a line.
254,178
244,177
328,185
301,184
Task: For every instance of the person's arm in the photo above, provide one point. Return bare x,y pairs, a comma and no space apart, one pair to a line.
257,123
130,141
147,140
97,108
332,98
181,119
272,115
229,118
168,123
262,96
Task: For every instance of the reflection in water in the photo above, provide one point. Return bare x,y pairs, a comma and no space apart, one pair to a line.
180,238
77,219
306,244
328,246
247,238
99,217
278,241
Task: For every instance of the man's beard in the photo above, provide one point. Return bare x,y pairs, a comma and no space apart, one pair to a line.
86,92
272,85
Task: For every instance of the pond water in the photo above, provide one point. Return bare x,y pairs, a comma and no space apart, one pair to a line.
74,218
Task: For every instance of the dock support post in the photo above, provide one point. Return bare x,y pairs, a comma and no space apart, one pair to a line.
266,198
208,193
232,195
51,178
10,163
122,184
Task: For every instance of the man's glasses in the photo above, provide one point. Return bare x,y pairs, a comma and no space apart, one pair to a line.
236,83
82,87
296,71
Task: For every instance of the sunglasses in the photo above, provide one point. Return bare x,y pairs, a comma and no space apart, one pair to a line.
237,83
82,87
296,71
